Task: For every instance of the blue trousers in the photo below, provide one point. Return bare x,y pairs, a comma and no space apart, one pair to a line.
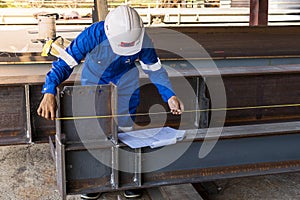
128,93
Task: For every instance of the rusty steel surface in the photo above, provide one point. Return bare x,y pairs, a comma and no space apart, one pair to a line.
13,115
240,3
226,42
258,13
244,86
8,57
218,42
257,90
217,173
234,155
41,128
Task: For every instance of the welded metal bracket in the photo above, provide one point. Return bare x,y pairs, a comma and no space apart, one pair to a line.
86,126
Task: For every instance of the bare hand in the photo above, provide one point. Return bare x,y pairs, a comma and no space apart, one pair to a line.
175,105
47,107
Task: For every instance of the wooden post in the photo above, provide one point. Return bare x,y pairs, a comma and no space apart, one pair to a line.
100,10
258,13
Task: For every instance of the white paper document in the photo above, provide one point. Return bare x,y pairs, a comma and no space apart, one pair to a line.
155,137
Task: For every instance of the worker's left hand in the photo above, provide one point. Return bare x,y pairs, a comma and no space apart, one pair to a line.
175,105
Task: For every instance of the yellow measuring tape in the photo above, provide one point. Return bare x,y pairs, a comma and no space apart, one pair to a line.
186,111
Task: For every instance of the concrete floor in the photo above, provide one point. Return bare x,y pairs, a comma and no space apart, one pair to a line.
271,187
28,173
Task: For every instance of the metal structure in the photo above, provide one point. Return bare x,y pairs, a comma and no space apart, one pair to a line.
108,166
249,70
260,73
73,136
233,156
259,13
233,13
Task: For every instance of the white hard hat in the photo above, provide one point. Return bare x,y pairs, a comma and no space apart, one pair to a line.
125,30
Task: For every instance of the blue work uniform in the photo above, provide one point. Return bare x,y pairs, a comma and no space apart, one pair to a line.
102,66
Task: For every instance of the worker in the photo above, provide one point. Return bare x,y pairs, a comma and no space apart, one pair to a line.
110,49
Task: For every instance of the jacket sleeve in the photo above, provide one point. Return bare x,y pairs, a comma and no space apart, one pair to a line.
152,67
86,41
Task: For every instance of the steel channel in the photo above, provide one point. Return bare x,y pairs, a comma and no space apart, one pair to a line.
114,139
61,168
137,179
242,36
197,114
204,104
28,114
234,145
196,176
114,111
115,167
281,70
218,173
58,114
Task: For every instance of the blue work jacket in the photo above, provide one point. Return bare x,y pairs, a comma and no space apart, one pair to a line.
102,65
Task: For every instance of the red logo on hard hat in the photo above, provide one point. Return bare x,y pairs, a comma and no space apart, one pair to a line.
127,44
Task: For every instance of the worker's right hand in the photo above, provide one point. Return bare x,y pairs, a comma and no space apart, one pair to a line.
47,108
175,105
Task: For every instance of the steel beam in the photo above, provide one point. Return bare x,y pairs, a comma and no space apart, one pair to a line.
28,115
218,42
233,156
14,113
245,86
96,165
258,13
